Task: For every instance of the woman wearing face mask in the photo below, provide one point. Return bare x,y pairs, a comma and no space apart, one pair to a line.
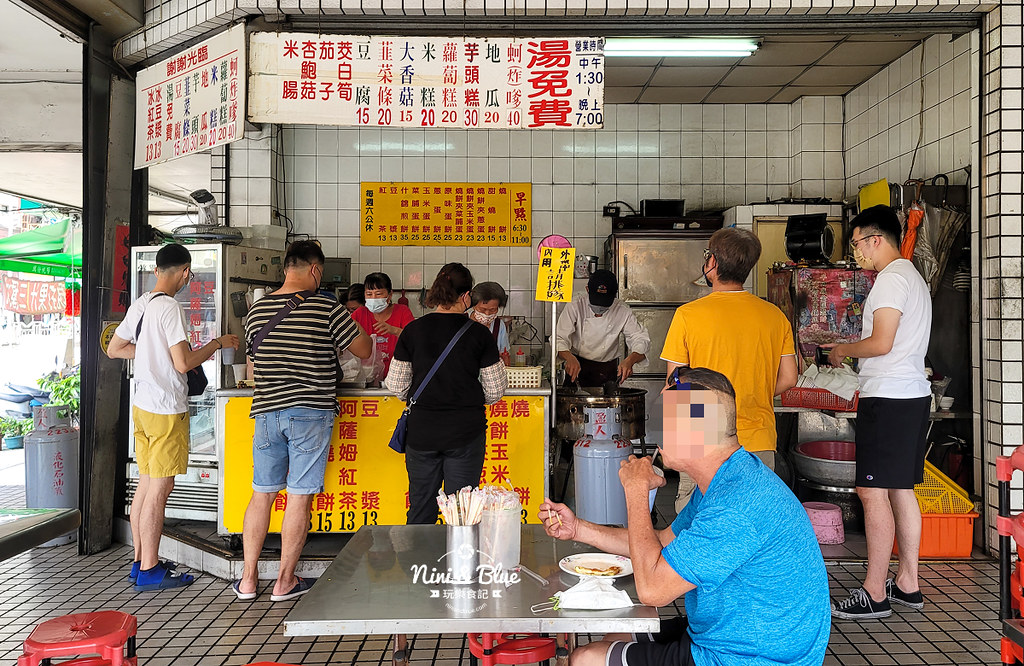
380,318
587,334
447,426
488,298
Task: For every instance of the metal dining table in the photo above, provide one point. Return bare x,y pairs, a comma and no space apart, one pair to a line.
376,585
23,529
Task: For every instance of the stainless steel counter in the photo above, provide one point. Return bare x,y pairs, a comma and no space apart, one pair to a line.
370,589
934,416
24,529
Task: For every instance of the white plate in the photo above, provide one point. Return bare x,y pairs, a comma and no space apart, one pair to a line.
596,561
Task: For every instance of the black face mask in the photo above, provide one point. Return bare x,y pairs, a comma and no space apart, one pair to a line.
704,272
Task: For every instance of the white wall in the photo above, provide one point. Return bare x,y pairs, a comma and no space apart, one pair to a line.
713,155
885,116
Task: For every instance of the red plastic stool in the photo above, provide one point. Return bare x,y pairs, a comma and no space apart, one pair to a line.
110,634
493,649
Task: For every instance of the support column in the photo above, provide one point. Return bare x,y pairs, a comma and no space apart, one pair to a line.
108,136
999,248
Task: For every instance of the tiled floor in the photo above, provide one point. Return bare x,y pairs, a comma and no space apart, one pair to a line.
205,624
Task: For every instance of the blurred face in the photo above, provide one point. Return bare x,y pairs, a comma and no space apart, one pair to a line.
377,293
694,421
352,306
865,245
487,307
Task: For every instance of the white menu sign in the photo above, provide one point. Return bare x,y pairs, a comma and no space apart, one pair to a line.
192,101
469,82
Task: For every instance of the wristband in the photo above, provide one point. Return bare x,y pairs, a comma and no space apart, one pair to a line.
219,345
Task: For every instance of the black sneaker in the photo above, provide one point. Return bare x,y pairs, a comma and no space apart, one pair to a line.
860,606
898,596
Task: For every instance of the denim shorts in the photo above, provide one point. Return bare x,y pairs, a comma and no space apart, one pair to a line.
289,450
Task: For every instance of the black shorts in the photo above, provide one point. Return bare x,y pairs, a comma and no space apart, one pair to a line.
891,438
668,647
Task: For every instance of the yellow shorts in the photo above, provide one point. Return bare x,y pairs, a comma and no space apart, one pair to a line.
161,443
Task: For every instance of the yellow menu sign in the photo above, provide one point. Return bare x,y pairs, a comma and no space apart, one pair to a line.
366,482
554,275
478,214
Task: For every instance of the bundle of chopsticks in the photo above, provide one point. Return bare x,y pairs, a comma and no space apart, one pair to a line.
498,498
462,508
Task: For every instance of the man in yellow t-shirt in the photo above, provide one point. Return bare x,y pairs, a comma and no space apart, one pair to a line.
739,335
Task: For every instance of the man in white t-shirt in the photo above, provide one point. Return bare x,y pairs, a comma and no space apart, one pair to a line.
892,417
153,333
587,334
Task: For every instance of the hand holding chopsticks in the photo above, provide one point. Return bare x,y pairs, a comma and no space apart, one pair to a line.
559,521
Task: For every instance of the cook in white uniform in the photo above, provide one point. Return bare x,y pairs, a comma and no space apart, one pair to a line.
587,334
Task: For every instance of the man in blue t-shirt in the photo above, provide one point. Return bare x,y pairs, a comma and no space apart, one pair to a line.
742,552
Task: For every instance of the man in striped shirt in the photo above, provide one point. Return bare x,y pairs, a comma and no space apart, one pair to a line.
294,404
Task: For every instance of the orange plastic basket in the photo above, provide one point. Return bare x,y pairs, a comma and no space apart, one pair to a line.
816,398
946,535
939,494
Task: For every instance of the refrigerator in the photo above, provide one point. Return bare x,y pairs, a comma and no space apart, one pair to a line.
215,304
657,272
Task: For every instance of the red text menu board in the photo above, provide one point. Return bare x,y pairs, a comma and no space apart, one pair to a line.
32,297
470,82
192,101
480,214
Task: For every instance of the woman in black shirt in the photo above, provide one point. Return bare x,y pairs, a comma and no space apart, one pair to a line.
446,438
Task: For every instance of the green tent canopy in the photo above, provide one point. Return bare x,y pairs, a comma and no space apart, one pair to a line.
50,250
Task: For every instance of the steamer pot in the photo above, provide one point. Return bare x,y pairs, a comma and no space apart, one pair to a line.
569,410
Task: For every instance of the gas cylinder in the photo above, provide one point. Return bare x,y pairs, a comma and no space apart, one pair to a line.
51,463
596,456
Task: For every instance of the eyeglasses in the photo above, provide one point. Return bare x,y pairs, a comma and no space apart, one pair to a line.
191,275
854,243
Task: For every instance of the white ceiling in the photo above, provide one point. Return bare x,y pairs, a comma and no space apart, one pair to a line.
32,50
50,177
783,69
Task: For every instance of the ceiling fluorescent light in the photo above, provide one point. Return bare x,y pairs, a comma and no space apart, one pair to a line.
679,48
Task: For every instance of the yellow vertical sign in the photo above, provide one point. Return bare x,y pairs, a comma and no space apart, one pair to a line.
554,275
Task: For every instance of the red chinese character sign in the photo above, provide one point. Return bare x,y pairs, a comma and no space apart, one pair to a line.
32,297
192,101
478,214
470,82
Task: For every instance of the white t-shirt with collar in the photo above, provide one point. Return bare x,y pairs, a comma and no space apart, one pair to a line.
900,373
580,331
159,388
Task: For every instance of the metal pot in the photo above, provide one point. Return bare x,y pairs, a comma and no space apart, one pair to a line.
827,463
569,410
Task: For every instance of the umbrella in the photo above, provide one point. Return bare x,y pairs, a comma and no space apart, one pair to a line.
914,218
